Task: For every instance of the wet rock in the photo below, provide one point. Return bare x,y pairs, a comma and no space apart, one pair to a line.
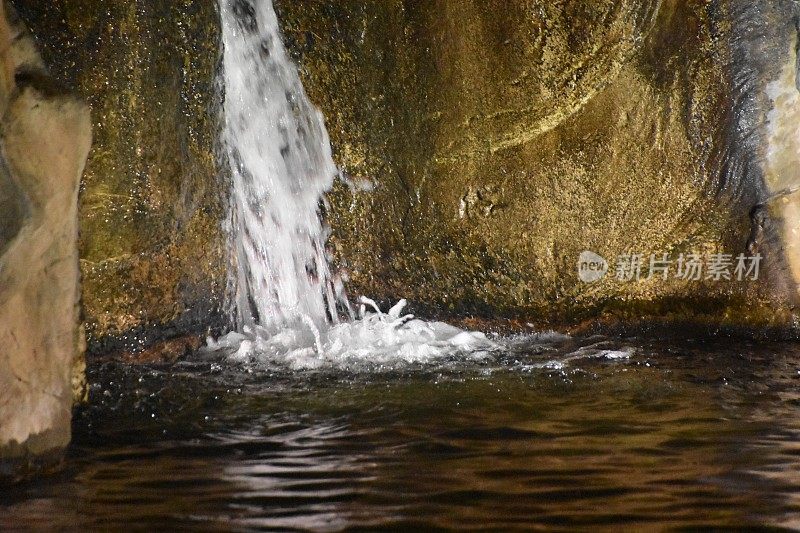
161,352
45,135
153,201
501,139
506,138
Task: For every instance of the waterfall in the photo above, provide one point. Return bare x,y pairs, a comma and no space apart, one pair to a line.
281,166
285,296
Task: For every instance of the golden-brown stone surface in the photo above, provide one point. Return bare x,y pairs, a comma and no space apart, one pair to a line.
505,138
485,145
152,200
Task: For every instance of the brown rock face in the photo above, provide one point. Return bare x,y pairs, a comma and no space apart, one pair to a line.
152,203
503,139
499,140
46,135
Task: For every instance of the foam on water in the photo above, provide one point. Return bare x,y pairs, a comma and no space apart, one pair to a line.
287,302
375,338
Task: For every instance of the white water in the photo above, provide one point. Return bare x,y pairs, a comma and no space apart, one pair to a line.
376,339
281,163
287,301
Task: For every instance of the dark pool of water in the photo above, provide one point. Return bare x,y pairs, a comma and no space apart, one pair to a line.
679,435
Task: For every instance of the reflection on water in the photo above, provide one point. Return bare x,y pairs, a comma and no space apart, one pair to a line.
554,433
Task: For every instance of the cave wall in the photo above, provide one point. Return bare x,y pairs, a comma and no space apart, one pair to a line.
45,135
152,201
484,145
502,139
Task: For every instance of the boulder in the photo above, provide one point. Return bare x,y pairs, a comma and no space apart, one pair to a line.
45,136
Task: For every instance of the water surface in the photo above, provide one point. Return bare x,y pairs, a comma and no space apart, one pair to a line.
551,433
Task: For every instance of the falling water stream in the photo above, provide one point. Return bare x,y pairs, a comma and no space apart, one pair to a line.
287,301
281,163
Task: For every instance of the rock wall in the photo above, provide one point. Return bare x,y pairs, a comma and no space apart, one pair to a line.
502,139
152,202
45,136
484,144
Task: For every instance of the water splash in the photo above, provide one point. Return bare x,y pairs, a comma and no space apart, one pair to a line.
287,300
376,339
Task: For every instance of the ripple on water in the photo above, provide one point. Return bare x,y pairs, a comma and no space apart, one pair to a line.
672,435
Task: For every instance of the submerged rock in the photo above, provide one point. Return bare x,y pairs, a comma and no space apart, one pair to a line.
44,140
